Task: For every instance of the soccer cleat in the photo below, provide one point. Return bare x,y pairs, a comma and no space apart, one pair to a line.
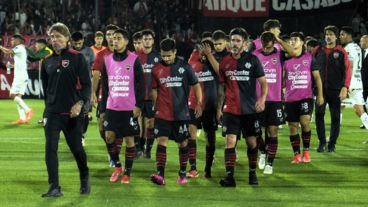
362,126
321,147
116,174
193,174
125,179
53,192
331,148
20,121
228,182
306,156
365,142
158,179
111,162
40,122
268,170
85,188
253,180
262,161
182,180
296,159
29,114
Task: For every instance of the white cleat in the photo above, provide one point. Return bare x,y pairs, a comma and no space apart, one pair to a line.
268,170
262,161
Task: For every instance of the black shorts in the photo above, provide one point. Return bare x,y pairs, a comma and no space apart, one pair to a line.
175,130
273,115
148,109
121,122
248,124
207,121
298,108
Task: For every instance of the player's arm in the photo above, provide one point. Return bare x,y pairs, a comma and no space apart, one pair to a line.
206,48
347,77
198,95
220,100
318,81
288,49
6,50
105,90
139,89
260,104
96,73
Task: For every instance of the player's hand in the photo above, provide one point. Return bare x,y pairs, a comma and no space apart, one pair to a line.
320,100
137,112
75,110
343,93
198,111
218,115
206,49
260,105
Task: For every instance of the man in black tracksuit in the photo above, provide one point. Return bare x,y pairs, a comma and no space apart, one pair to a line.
336,76
67,86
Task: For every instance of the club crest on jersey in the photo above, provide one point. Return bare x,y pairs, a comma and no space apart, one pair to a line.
336,55
274,61
65,63
305,62
248,65
128,66
181,70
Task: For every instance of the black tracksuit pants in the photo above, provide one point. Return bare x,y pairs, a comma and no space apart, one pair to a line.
72,129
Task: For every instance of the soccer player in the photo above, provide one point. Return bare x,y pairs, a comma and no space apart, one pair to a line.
41,51
121,104
171,79
148,57
300,71
67,84
239,72
137,41
220,42
273,115
20,79
97,47
364,70
336,76
96,85
208,79
355,92
78,45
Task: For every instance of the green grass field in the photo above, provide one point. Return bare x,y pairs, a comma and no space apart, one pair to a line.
332,179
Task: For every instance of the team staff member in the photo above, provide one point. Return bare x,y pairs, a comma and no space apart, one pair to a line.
67,84
239,73
171,80
336,76
122,100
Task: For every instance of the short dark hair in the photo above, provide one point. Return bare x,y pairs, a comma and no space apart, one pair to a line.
148,32
168,44
298,34
240,31
271,23
331,28
99,34
42,41
218,35
137,36
348,30
76,36
312,43
18,36
267,37
123,32
206,34
111,27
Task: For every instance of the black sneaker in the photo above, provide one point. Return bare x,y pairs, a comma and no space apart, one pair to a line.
85,188
228,182
253,180
331,148
321,147
362,126
53,192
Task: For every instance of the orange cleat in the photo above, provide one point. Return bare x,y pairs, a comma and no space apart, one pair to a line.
193,174
116,174
306,156
29,114
125,179
20,121
296,159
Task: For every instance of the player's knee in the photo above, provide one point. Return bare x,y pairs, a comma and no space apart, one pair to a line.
110,137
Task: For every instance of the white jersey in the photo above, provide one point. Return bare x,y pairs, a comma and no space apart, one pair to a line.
354,54
20,63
